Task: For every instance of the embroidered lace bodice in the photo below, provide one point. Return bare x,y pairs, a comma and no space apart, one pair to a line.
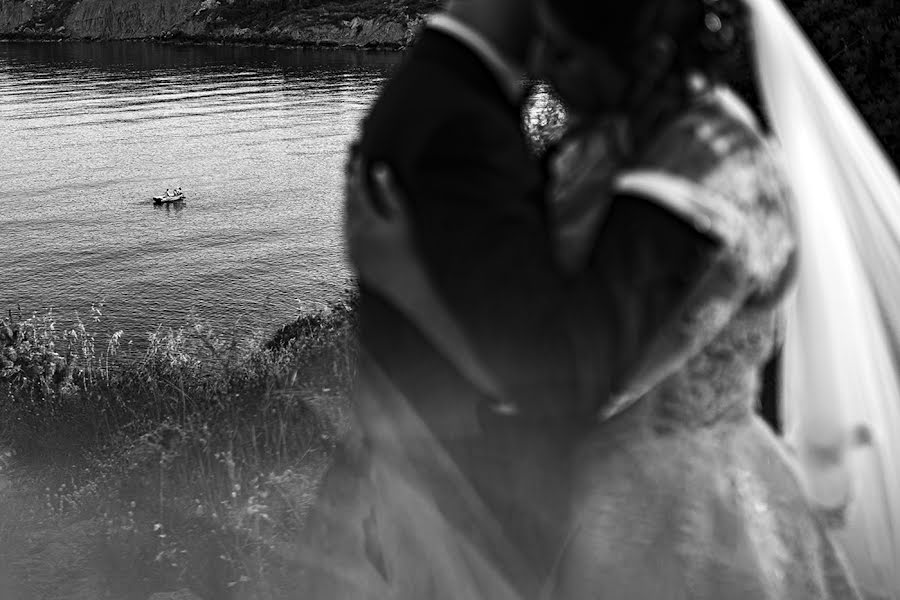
714,169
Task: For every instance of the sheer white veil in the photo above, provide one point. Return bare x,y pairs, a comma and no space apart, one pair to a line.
841,388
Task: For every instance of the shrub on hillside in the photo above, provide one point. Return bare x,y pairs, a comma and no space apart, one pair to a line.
191,460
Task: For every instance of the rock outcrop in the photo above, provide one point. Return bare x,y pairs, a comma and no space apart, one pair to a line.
195,20
130,19
358,32
14,15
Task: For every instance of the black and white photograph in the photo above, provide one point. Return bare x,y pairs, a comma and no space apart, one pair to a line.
449,299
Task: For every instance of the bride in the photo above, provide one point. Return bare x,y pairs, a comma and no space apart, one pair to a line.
682,492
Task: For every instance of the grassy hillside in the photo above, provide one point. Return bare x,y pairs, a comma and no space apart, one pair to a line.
188,465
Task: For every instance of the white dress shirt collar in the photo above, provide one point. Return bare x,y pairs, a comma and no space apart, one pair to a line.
508,73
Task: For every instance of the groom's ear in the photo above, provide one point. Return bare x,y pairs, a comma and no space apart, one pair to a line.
385,189
374,180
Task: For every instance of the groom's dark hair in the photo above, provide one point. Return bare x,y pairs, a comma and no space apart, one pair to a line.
704,31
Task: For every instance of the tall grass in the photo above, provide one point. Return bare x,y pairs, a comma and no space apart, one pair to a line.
190,462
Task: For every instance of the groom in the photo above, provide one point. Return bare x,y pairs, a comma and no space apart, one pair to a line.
448,125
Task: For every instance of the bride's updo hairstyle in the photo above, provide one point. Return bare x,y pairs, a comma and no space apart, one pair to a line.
706,36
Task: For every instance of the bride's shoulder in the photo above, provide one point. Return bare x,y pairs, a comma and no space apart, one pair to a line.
716,167
717,131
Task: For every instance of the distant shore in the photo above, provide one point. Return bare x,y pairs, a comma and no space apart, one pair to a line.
361,24
203,40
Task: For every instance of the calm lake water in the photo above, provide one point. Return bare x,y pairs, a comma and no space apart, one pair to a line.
255,136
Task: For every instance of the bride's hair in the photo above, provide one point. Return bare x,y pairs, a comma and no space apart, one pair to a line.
708,36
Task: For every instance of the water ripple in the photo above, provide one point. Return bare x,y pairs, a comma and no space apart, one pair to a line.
256,137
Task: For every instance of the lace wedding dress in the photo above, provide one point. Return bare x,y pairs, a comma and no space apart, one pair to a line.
682,491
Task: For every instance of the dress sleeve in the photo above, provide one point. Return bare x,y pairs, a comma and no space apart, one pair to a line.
673,251
646,261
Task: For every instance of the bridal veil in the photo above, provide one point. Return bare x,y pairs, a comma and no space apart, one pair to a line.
841,388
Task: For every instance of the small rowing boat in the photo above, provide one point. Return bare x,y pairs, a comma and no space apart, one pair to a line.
169,197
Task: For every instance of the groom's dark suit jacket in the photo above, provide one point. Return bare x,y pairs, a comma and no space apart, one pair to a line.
453,138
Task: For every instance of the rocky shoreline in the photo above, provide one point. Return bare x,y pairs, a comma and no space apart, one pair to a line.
358,26
240,39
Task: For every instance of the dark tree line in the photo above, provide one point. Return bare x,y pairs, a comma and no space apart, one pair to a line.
860,42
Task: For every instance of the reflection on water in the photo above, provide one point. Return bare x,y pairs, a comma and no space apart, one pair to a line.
171,208
255,136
